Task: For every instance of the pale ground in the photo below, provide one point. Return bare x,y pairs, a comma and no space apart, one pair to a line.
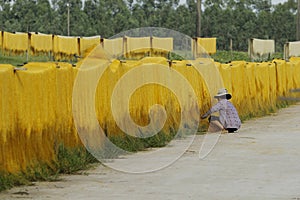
261,161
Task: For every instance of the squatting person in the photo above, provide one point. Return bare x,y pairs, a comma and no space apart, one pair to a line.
228,119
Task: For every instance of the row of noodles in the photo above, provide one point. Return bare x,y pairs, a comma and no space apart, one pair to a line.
66,47
36,104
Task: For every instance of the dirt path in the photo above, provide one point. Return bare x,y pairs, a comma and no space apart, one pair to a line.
262,161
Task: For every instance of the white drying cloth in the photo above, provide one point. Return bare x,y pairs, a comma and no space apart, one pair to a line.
262,47
294,48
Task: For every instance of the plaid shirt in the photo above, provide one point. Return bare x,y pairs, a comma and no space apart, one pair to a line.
229,117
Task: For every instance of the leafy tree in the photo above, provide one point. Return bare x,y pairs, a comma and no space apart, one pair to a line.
4,13
181,19
283,24
238,20
43,17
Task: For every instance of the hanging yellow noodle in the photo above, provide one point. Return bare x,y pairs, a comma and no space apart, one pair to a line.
161,46
36,118
281,77
296,71
7,118
272,87
137,47
252,99
263,86
15,42
64,124
208,44
41,43
225,70
36,104
114,47
65,47
87,43
289,75
240,97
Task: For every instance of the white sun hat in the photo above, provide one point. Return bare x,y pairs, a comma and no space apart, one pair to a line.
223,92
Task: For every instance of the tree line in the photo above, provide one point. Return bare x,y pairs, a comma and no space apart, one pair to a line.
236,20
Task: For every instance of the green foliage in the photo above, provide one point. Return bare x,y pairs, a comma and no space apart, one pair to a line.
39,172
224,19
227,56
19,60
174,56
134,144
69,161
8,181
220,56
277,55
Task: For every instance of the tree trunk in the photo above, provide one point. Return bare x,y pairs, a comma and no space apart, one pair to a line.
198,25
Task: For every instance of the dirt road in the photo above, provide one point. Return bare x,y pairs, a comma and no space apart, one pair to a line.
261,161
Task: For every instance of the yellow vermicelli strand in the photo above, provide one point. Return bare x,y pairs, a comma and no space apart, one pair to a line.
87,43
225,70
262,86
281,77
208,44
7,102
65,47
272,87
41,43
250,90
64,120
198,83
296,71
289,75
114,47
7,117
36,103
161,46
35,88
238,77
137,47
15,42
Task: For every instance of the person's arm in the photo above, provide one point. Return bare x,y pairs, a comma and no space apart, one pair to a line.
215,108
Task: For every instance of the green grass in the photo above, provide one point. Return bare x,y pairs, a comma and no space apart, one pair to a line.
220,56
134,144
227,56
8,181
69,161
19,60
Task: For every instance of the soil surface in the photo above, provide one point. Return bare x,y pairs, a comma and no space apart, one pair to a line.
261,161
